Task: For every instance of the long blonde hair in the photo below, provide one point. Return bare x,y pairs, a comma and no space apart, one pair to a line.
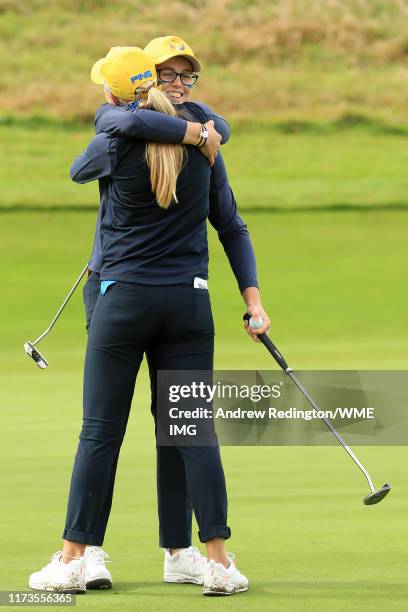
165,161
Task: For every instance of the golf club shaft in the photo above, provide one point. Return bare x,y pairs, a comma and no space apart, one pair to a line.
64,303
331,428
288,371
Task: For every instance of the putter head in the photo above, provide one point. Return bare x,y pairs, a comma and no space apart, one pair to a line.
377,496
35,355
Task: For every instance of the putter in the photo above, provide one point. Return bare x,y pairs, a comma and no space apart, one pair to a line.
29,347
375,496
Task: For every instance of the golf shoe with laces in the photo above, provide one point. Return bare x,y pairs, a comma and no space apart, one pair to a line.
219,580
187,565
60,577
97,575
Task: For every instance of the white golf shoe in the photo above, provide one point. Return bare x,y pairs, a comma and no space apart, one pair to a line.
60,577
186,566
219,580
97,576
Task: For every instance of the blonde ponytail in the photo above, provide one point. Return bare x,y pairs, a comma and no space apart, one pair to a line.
165,161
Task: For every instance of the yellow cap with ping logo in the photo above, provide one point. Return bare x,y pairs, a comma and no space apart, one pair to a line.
123,70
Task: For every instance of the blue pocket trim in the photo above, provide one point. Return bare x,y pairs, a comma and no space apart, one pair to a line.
104,286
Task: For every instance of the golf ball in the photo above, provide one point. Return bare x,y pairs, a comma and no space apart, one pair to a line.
256,324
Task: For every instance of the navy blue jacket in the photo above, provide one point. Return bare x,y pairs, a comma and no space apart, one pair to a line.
138,241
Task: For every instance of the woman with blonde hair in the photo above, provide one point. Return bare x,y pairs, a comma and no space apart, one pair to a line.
155,203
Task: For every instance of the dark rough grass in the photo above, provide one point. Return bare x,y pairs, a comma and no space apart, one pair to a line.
310,58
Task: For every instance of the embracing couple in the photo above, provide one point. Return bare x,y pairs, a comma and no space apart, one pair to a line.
155,155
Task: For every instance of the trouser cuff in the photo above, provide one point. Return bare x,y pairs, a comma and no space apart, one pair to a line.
216,531
82,538
175,541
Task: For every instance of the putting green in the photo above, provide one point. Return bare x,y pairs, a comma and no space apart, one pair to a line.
333,285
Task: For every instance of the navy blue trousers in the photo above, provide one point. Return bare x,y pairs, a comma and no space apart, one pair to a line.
173,325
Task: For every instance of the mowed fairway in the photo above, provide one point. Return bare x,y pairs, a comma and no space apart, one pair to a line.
334,285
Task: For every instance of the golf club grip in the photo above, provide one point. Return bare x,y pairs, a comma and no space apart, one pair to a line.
266,341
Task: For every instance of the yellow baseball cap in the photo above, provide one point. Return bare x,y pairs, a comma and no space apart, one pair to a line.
124,69
166,47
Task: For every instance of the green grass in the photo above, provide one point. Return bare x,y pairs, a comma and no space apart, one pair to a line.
348,167
333,283
310,58
332,266
286,164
